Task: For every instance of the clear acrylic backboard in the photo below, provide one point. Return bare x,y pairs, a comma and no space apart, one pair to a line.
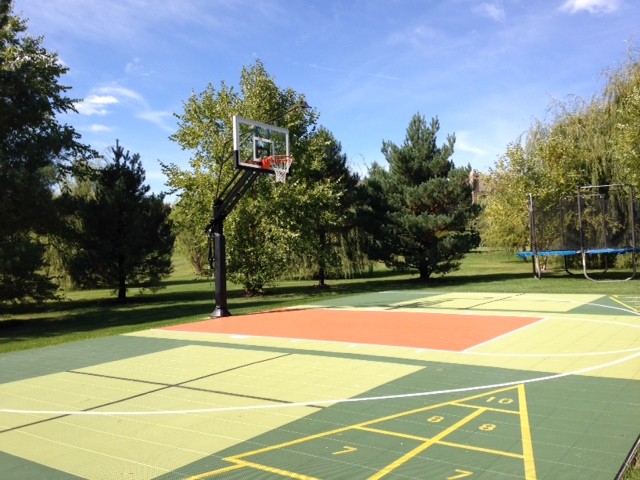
255,142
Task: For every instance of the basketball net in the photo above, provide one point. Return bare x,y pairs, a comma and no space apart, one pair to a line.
280,164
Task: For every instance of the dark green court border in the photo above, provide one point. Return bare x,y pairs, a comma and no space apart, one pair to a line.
12,467
581,428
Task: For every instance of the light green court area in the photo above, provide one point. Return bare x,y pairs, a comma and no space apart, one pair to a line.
499,302
555,399
182,379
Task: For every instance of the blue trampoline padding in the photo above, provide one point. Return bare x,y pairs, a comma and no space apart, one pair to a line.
614,251
568,253
549,253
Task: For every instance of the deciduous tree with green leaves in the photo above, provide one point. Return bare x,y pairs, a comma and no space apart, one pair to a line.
422,205
205,128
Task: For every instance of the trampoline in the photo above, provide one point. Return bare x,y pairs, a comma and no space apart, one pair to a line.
592,229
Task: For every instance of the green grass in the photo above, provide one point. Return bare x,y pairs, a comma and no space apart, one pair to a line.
185,298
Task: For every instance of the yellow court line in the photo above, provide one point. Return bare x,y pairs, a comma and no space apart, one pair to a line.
481,449
239,461
615,299
288,444
527,444
489,409
443,442
358,425
277,471
212,473
393,434
408,456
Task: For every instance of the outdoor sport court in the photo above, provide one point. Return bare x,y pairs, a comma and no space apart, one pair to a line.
394,385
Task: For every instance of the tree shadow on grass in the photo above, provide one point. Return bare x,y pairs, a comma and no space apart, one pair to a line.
93,321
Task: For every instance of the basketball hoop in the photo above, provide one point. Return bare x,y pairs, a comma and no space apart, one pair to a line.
280,164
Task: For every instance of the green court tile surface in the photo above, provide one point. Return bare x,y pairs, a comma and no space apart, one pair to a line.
16,467
558,399
578,427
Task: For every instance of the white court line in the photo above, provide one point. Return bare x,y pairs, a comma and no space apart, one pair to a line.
323,402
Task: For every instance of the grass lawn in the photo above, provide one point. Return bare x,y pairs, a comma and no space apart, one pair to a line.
186,298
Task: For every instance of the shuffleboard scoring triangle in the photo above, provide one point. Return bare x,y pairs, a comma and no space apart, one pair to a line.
490,428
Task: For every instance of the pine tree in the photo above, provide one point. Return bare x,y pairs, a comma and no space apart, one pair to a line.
420,210
123,236
35,150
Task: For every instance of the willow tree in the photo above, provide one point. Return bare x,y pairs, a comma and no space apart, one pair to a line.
623,95
587,142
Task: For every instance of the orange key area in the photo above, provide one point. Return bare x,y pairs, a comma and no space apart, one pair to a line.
439,331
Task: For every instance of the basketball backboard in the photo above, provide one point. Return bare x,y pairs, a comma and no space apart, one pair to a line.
254,141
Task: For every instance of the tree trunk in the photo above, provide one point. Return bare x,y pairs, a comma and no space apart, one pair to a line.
425,272
122,281
322,264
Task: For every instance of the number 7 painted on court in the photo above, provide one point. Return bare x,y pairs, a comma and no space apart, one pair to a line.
461,474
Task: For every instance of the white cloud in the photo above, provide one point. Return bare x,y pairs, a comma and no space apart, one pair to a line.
494,11
102,97
98,128
96,104
464,143
591,6
135,67
158,118
121,93
126,21
416,36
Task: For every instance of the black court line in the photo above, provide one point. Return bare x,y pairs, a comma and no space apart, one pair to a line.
184,387
437,302
493,300
163,386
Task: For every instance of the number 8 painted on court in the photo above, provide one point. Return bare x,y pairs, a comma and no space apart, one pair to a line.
487,427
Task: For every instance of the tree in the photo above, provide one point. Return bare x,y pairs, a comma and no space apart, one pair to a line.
504,220
205,128
422,206
35,150
587,142
123,235
323,208
623,96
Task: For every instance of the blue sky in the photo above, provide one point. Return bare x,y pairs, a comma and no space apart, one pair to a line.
487,69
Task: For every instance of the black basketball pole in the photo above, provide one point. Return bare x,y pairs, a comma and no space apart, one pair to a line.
222,207
219,245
